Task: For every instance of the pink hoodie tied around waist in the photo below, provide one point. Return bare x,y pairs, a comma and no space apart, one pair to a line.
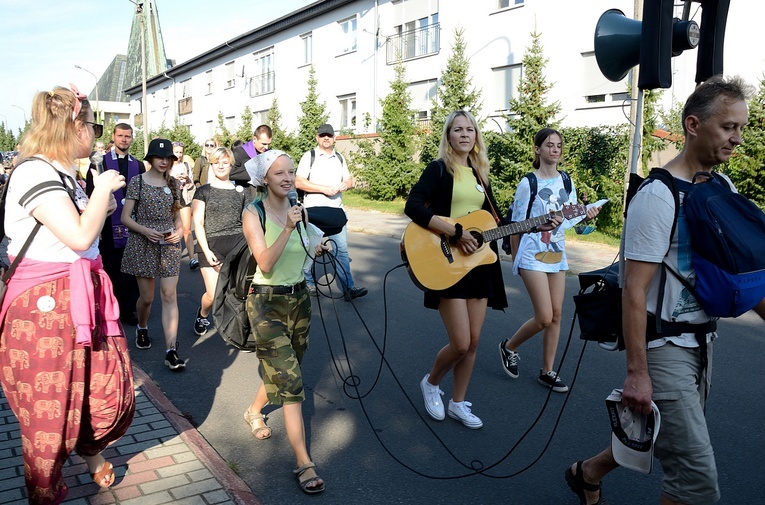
82,304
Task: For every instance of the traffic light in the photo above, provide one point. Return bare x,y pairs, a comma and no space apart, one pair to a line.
709,62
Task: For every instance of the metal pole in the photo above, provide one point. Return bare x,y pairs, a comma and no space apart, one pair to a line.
98,108
23,112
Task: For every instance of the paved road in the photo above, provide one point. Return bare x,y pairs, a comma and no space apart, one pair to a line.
381,448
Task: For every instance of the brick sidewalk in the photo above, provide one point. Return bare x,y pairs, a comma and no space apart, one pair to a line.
161,459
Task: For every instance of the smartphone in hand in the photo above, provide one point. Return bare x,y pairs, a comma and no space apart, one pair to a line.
165,236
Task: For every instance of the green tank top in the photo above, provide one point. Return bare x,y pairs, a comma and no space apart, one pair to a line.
288,269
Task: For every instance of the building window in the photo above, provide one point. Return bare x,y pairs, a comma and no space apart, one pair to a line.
349,34
414,39
504,4
230,123
210,129
596,88
186,88
307,41
505,85
347,111
423,93
263,81
208,76
260,117
230,75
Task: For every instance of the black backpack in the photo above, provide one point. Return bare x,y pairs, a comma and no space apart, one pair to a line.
229,310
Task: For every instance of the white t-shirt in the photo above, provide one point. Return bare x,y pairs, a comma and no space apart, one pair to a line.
327,170
646,238
543,251
33,183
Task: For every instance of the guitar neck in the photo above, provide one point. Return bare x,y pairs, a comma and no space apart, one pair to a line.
520,226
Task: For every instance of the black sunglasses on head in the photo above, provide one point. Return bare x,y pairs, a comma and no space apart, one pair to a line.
98,129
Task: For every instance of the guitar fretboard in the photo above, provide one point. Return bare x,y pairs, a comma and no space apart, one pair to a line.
516,228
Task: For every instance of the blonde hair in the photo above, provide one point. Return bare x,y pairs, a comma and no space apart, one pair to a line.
220,152
53,131
478,160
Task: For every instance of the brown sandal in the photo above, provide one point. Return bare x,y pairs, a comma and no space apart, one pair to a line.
252,419
106,473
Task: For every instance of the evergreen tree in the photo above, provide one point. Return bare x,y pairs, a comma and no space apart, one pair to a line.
511,153
456,92
224,137
386,165
281,139
747,166
244,133
314,114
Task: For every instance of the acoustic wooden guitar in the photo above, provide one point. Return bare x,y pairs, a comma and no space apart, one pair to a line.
435,264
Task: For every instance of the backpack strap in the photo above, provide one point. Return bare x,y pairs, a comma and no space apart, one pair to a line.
532,191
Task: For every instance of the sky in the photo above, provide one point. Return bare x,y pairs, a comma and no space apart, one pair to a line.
43,40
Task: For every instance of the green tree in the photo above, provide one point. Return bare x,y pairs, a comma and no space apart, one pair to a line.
386,165
224,136
511,153
747,166
314,114
281,139
178,133
651,143
673,123
244,133
456,92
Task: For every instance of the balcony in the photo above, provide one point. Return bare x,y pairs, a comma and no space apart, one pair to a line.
262,84
413,44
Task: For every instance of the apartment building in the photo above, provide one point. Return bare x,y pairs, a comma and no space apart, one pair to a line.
353,46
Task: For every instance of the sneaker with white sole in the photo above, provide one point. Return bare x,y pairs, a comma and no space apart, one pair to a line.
142,338
173,361
461,412
510,359
552,381
201,323
432,396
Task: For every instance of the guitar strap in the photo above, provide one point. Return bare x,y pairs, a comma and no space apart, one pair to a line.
486,192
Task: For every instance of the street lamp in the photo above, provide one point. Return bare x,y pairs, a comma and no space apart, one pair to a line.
23,112
98,112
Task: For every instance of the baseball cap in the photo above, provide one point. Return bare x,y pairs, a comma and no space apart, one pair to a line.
326,128
633,434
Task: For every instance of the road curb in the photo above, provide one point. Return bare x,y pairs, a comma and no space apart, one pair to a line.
236,487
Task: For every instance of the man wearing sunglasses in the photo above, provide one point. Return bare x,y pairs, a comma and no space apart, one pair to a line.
323,175
114,234
260,143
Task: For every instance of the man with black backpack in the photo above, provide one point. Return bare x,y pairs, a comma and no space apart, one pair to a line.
670,361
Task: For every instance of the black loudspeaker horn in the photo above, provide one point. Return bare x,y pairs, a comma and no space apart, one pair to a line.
617,44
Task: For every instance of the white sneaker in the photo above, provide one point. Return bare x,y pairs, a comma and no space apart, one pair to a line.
432,396
461,412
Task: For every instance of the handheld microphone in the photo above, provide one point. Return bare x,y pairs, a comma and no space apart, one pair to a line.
292,197
97,159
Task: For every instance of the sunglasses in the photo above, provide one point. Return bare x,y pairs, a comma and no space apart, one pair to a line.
98,129
179,144
324,135
209,145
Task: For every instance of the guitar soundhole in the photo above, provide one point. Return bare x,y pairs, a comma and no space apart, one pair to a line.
478,237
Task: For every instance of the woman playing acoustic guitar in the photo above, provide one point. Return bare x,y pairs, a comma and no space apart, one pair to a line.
453,185
540,257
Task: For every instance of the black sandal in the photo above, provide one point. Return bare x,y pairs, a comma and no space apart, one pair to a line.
579,486
305,483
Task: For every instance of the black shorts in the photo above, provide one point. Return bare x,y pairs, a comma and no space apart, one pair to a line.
221,246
